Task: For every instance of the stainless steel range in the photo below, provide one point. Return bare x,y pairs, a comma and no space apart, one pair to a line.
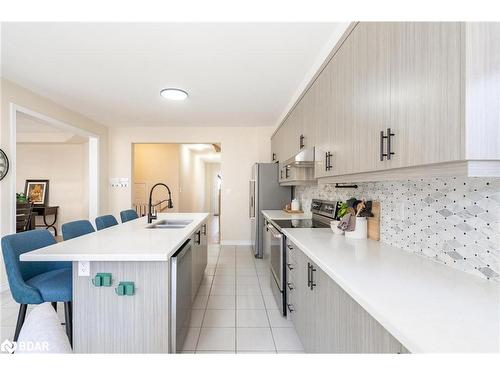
275,241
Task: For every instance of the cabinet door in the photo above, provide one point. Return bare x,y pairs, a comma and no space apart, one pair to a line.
274,148
426,92
298,296
309,117
323,119
367,108
277,144
203,251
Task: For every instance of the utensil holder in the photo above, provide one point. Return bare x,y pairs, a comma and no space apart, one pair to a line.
361,230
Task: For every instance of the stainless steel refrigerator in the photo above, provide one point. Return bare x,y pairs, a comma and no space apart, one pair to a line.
265,194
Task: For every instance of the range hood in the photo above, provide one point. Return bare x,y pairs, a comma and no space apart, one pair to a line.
305,158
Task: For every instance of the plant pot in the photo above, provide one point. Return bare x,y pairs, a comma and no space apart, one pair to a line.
334,226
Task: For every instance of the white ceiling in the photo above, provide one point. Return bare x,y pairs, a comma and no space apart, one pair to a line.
33,130
241,74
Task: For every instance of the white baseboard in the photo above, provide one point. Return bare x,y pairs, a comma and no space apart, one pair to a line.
236,242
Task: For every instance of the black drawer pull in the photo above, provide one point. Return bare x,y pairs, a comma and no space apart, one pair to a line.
290,286
290,267
290,307
313,284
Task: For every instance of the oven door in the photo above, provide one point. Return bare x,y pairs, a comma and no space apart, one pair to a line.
275,242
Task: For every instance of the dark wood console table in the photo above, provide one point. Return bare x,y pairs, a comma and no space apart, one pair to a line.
45,211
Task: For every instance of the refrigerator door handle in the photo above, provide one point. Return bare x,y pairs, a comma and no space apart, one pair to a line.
251,207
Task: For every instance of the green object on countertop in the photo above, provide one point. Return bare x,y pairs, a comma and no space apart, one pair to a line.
102,279
125,288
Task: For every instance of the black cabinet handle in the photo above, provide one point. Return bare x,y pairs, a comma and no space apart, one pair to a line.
301,141
313,284
388,137
389,148
290,307
204,227
274,156
309,275
286,172
328,161
198,239
281,173
290,267
290,286
382,137
290,247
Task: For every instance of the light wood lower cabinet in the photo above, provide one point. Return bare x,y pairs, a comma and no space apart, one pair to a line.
326,318
199,257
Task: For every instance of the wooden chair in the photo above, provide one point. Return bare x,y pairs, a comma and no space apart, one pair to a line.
24,217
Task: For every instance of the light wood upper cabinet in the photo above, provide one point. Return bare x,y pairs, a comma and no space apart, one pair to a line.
425,76
323,121
435,85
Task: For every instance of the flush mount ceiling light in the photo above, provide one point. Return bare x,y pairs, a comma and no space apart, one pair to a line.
174,94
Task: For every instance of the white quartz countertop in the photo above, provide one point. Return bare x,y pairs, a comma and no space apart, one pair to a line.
282,215
427,306
130,241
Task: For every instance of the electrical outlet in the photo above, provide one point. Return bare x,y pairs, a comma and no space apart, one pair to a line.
83,268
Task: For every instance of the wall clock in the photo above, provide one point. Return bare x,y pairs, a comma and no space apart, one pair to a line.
4,164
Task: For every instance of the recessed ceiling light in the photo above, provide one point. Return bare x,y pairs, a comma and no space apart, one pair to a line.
174,94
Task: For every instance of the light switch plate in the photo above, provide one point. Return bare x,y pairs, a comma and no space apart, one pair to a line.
83,268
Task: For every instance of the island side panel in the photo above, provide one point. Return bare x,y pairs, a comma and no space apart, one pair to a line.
104,322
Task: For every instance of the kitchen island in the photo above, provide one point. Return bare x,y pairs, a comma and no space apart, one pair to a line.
122,282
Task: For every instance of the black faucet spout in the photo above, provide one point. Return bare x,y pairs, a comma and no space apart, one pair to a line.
170,204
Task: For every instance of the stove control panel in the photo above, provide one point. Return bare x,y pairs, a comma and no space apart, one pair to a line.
325,208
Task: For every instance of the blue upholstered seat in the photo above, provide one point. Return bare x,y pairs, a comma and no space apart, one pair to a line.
128,215
106,221
53,286
76,229
32,283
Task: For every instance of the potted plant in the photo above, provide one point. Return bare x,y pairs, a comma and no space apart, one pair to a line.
21,198
334,224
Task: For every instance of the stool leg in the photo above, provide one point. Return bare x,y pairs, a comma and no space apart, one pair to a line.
54,305
68,316
20,320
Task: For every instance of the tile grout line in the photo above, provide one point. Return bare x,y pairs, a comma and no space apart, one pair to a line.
209,293
265,306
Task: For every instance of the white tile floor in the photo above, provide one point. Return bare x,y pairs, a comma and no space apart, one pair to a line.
240,314
234,311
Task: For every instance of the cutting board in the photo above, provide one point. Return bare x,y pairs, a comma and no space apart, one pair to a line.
293,212
374,222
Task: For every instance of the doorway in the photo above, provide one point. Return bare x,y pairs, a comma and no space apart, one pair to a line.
36,142
190,170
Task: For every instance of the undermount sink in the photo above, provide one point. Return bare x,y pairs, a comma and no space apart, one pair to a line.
169,224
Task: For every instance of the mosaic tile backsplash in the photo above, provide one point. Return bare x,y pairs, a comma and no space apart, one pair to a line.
455,221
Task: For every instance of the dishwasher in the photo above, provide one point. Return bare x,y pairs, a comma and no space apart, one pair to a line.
180,296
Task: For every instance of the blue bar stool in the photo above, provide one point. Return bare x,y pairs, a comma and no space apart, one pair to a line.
128,215
32,283
76,229
106,221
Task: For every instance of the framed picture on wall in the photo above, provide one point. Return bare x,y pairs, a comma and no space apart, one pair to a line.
37,192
